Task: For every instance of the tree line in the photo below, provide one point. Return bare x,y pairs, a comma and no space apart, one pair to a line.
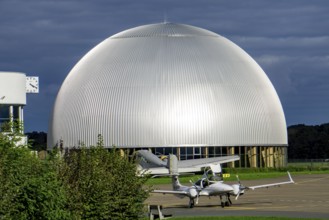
308,141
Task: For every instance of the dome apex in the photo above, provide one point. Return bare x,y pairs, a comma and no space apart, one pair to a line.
164,30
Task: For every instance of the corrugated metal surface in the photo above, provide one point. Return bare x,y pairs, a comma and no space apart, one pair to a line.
167,85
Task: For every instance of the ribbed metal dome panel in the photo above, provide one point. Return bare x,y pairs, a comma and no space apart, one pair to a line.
167,85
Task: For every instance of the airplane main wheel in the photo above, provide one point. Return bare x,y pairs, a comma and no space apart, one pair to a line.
191,204
227,204
222,204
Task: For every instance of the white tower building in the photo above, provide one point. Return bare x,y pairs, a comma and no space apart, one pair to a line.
13,89
12,98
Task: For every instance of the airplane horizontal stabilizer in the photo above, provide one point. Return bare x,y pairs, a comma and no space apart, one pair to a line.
170,192
272,184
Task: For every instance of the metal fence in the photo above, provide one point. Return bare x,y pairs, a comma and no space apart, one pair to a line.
319,163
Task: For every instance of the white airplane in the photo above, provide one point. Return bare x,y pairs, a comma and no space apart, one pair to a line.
152,164
207,187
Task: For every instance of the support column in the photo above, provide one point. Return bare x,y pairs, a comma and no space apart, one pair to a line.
245,156
205,152
253,157
267,156
252,154
280,156
239,156
21,118
263,156
247,153
270,157
259,157
285,156
11,118
178,153
122,153
230,151
275,157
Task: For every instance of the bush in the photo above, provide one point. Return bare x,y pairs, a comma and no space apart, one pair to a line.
93,183
102,184
29,187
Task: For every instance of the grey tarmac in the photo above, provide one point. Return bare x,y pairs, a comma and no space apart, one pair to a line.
307,198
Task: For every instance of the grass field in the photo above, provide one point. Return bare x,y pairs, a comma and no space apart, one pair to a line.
310,165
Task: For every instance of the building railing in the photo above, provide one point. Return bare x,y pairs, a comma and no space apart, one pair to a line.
309,163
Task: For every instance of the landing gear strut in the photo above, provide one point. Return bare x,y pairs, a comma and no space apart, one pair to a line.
228,198
191,203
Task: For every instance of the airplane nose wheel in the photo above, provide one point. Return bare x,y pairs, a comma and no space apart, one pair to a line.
222,203
226,201
191,203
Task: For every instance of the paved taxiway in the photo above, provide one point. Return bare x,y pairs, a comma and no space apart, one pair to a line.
307,198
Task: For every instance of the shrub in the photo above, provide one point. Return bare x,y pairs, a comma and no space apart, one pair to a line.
86,183
102,184
29,187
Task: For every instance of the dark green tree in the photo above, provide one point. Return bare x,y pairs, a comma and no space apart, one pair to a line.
308,141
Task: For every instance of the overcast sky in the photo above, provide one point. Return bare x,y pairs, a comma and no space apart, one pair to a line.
288,38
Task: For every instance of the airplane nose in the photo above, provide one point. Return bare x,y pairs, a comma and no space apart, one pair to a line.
193,193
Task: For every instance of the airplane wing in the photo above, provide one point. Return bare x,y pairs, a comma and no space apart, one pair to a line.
150,160
170,192
158,171
154,166
204,162
272,184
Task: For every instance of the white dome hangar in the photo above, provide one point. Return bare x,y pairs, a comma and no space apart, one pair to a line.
170,85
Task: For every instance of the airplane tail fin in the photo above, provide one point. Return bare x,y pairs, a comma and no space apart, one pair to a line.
173,171
173,164
217,172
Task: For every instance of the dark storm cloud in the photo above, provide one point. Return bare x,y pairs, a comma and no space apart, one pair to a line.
288,38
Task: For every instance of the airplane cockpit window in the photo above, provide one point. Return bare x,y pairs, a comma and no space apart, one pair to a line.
204,182
214,176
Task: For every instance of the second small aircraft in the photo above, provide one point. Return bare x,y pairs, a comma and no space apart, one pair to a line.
152,164
207,187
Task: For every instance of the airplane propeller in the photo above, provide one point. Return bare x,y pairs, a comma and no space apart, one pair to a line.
241,188
197,190
197,198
